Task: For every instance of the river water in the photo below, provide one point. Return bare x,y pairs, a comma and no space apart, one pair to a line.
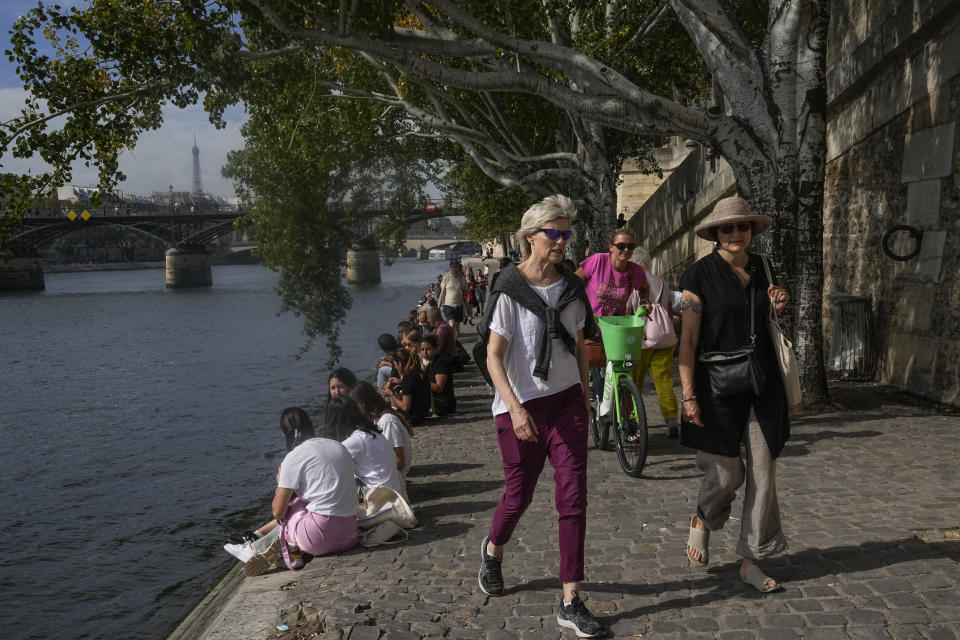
140,426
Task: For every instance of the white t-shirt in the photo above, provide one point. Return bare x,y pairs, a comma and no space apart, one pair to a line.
397,434
320,471
521,328
374,461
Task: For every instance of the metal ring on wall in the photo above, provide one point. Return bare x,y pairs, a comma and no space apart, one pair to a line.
914,233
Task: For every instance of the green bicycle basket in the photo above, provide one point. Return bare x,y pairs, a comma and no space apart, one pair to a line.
622,335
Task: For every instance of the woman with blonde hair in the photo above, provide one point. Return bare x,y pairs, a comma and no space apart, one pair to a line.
538,364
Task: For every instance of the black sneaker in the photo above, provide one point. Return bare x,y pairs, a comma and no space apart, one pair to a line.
576,616
490,577
241,538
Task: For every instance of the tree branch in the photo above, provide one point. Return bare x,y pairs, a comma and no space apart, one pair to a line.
715,20
642,32
17,131
561,58
272,53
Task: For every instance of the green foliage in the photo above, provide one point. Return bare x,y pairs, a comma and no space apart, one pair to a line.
321,133
492,211
312,164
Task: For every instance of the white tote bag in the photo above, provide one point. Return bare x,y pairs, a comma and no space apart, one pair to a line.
783,348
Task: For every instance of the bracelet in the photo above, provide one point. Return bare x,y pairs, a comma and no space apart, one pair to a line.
690,399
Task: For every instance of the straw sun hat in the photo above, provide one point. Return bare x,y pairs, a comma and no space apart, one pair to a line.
731,210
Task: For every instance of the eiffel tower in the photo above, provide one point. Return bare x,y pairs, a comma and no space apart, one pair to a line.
197,185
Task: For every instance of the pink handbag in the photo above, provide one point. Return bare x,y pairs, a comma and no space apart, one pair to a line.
658,331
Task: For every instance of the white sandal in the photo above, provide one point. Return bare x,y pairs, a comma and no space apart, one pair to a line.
760,581
698,540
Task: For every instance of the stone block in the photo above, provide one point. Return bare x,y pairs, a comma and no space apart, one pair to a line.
943,63
928,153
907,356
914,308
928,265
851,125
923,204
931,112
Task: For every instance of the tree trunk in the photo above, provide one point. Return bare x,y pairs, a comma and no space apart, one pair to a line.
795,247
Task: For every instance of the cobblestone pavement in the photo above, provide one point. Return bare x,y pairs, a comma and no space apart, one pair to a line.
855,487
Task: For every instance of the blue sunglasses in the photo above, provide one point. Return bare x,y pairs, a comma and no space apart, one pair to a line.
554,234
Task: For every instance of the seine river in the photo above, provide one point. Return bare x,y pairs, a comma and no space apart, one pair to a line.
140,426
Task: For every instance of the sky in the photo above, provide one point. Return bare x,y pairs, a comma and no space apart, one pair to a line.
160,159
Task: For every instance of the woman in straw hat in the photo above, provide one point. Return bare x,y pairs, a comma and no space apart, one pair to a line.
716,307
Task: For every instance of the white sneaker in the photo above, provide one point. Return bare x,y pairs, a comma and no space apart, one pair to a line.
241,552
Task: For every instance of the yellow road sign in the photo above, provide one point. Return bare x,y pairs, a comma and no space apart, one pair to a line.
85,215
72,215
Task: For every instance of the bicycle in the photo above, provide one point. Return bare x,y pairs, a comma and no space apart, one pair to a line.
622,341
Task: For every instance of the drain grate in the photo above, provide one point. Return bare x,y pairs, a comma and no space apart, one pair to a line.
945,541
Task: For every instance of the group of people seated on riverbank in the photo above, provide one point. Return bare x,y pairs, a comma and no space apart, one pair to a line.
365,442
362,445
416,371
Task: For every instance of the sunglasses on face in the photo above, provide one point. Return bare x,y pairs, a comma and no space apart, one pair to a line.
555,234
742,227
625,246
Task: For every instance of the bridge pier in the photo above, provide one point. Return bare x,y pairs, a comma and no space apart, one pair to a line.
22,273
423,253
188,267
363,266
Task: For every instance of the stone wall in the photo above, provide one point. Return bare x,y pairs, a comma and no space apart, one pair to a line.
636,186
669,215
894,159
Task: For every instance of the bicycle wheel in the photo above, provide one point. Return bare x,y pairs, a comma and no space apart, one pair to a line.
630,428
599,429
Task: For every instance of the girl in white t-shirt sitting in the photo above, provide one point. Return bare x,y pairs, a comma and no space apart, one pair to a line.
315,502
374,461
394,426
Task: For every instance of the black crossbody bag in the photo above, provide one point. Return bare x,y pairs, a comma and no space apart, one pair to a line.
732,372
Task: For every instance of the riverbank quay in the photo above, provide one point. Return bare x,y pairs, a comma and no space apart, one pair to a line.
868,494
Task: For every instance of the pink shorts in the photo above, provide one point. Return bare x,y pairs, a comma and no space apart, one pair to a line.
316,534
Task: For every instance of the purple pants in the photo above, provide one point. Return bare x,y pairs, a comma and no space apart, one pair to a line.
561,424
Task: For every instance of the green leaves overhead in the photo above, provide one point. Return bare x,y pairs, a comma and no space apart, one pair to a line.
361,103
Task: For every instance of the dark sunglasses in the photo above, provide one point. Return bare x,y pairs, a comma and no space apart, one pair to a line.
625,246
554,234
742,227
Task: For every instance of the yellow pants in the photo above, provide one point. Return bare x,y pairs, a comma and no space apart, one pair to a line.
660,363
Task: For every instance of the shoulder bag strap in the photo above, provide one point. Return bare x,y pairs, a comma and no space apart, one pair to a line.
753,300
766,268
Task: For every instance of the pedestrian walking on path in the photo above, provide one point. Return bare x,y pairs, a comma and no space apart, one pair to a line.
453,294
538,365
725,304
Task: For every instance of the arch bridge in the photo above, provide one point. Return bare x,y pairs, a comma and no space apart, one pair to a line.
187,234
